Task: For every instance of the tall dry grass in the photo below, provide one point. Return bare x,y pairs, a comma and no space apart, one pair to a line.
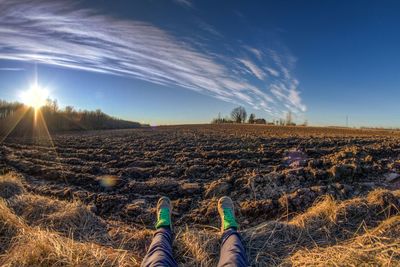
10,185
37,247
326,224
42,231
377,247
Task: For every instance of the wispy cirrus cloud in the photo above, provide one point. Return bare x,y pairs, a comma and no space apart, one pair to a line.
58,34
257,52
272,72
259,73
11,69
186,3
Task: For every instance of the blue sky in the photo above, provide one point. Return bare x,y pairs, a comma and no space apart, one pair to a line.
184,61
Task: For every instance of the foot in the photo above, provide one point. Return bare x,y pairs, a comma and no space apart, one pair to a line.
164,209
227,213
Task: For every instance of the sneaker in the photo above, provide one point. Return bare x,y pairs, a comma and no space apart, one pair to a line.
164,209
227,213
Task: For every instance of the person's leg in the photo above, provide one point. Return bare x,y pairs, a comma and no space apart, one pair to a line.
160,251
233,252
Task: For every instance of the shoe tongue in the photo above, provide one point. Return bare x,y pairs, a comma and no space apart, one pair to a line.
164,213
163,218
229,219
228,213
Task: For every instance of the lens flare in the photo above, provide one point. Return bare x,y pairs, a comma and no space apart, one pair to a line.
108,181
35,97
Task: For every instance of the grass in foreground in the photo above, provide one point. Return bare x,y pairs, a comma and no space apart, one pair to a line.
41,231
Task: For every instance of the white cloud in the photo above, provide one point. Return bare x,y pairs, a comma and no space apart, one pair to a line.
54,33
272,72
11,69
209,28
253,68
257,52
288,95
286,88
294,98
186,3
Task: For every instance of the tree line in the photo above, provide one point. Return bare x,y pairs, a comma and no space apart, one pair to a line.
22,117
239,115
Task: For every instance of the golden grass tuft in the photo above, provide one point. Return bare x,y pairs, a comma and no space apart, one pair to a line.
386,200
43,248
72,219
325,224
197,247
323,212
268,243
78,222
10,185
34,208
30,228
130,238
378,247
10,226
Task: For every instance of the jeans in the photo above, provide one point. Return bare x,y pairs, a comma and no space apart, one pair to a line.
232,250
160,251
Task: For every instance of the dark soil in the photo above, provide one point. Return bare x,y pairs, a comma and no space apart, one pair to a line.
270,172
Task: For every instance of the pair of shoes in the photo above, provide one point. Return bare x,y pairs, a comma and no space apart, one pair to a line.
226,212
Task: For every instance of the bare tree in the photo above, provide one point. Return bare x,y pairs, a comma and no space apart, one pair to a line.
51,104
239,115
289,118
252,118
69,109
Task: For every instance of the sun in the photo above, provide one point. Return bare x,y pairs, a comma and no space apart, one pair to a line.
35,97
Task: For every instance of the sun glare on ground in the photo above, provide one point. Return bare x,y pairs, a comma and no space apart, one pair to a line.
35,97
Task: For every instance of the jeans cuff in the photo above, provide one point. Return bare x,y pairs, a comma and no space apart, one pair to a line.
228,232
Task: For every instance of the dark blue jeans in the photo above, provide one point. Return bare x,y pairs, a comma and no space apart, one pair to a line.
232,250
160,251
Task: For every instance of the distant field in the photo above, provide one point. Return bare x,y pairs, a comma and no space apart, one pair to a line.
302,193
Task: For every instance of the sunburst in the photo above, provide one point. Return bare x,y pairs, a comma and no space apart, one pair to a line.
35,97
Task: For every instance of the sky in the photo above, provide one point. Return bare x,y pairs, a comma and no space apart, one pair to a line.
186,61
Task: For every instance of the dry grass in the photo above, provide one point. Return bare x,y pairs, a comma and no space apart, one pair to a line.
71,219
10,226
136,240
378,247
197,247
326,223
35,208
42,231
10,185
43,248
78,222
